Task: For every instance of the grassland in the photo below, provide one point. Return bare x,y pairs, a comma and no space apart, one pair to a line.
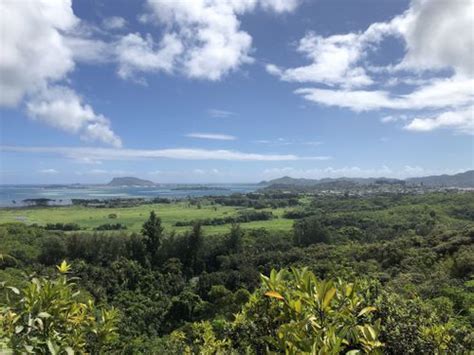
133,217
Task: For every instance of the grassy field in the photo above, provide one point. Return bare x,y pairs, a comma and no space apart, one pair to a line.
134,217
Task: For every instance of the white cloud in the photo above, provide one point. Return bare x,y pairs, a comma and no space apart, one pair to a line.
89,50
114,23
33,48
393,118
442,93
437,37
333,61
285,141
213,136
48,171
105,172
38,52
356,100
460,121
280,6
136,54
102,154
209,32
62,108
216,113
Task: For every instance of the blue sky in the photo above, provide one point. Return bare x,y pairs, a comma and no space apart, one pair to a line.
234,90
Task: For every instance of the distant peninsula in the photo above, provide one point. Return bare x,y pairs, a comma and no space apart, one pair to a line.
130,181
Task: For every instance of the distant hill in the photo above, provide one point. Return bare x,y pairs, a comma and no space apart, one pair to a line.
289,181
465,179
130,181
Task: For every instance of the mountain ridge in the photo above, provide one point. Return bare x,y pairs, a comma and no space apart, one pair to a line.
464,179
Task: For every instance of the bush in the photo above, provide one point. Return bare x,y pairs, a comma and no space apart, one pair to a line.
47,317
63,226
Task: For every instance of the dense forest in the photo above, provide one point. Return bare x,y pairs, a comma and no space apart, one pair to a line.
386,273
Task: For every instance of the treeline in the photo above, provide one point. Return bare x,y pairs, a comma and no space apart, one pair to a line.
258,200
242,217
63,226
118,202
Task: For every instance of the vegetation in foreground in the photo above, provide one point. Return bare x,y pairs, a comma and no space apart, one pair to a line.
385,274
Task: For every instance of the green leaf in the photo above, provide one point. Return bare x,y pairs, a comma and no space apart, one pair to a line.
51,347
366,310
18,329
14,290
44,315
329,296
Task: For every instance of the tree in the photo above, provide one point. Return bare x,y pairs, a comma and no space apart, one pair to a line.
53,249
153,232
234,240
309,231
194,246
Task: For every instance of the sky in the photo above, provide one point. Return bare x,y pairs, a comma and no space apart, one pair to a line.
196,91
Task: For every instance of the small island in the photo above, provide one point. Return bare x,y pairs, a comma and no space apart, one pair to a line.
130,181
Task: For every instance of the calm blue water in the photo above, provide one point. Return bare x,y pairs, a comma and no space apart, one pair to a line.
13,195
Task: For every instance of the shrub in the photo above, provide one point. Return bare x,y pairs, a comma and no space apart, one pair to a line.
47,317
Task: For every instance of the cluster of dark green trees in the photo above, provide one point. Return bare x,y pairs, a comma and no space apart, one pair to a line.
385,274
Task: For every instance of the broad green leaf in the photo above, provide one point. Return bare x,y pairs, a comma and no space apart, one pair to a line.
366,310
328,297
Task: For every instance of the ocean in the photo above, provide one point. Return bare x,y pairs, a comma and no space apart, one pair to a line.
14,195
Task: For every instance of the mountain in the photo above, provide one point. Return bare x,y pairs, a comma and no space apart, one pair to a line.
130,181
465,179
302,182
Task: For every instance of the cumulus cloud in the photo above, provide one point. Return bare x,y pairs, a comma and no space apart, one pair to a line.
102,154
212,136
438,39
37,53
333,61
461,121
33,47
62,108
209,33
137,54
336,59
439,35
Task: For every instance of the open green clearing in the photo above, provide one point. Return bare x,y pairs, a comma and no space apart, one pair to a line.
133,217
